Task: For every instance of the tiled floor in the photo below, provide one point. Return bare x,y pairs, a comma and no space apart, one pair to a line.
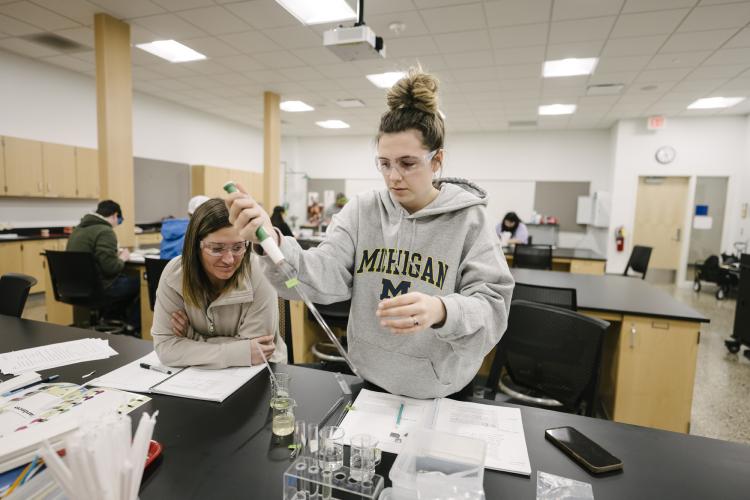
721,400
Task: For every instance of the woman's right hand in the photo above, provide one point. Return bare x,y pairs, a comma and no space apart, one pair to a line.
246,215
264,344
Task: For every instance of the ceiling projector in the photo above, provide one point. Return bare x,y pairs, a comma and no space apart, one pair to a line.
354,43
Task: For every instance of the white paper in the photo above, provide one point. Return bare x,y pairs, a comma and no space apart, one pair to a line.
132,377
703,222
55,355
209,385
19,381
375,413
500,427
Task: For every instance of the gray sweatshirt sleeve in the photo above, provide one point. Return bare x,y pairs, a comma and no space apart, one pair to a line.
477,314
193,349
325,272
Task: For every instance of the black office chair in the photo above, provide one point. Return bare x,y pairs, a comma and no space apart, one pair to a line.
336,315
553,296
638,260
14,290
533,256
76,281
550,357
154,268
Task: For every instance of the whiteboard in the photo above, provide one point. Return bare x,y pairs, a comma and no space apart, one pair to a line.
503,196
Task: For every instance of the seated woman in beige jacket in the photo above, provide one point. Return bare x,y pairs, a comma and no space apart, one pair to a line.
214,307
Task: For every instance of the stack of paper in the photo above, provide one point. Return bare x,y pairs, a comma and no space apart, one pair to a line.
54,355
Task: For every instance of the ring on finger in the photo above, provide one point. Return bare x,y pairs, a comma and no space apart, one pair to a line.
415,320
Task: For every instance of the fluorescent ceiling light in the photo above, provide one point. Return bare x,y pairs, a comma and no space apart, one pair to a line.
295,106
557,109
332,124
171,50
569,67
386,80
715,102
319,11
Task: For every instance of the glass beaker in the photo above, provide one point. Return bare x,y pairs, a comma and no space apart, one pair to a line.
280,389
362,457
283,416
331,448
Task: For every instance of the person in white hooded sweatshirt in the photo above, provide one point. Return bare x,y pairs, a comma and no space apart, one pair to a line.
429,285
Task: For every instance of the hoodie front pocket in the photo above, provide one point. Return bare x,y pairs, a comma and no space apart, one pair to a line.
396,372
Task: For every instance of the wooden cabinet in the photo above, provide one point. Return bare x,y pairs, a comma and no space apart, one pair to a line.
2,166
23,167
210,181
587,266
58,165
34,263
147,239
11,259
655,370
253,182
87,172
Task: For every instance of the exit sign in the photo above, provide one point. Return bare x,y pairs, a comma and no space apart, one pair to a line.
656,122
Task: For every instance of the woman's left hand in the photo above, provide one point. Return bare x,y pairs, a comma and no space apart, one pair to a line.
180,323
411,312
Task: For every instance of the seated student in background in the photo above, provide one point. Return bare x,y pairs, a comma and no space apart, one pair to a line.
95,234
173,230
429,287
512,224
277,219
337,206
214,307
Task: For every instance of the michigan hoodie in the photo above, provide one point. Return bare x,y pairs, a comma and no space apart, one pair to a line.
376,250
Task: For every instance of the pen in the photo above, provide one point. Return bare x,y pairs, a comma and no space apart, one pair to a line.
156,368
42,381
400,412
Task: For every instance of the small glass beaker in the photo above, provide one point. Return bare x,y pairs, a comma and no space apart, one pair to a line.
279,389
362,457
283,416
331,448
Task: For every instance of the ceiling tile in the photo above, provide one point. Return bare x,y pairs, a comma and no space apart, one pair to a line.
240,62
170,70
514,71
741,39
679,60
214,20
211,47
712,17
339,70
140,57
15,27
265,76
651,23
177,5
616,64
650,5
697,40
84,36
171,84
279,59
519,36
302,74
412,46
521,84
205,67
577,49
380,23
80,11
520,55
711,72
581,30
232,79
700,86
578,9
455,18
483,86
20,46
295,37
317,55
658,75
142,73
726,57
263,14
387,6
38,16
130,8
170,26
513,12
624,77
476,74
640,46
70,63
317,85
469,59
251,42
463,41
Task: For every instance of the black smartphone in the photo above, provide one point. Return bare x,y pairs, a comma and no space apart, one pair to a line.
583,450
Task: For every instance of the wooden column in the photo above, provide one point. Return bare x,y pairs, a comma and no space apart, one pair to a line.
271,150
114,107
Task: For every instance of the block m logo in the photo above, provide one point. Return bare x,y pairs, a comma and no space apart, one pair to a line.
390,291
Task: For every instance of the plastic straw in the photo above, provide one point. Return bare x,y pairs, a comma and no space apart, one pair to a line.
270,372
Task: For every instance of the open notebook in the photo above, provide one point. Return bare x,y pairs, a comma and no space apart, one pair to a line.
194,383
500,427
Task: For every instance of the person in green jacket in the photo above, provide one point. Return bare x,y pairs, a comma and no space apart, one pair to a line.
95,234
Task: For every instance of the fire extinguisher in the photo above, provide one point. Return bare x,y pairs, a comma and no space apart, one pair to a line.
620,238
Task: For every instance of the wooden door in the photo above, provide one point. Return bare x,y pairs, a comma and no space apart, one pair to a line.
59,166
34,263
659,218
23,167
87,173
11,259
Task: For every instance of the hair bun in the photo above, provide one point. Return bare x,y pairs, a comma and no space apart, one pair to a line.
416,90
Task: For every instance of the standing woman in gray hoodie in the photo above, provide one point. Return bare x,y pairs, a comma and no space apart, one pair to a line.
429,285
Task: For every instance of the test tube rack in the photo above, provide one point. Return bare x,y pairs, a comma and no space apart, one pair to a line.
305,480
